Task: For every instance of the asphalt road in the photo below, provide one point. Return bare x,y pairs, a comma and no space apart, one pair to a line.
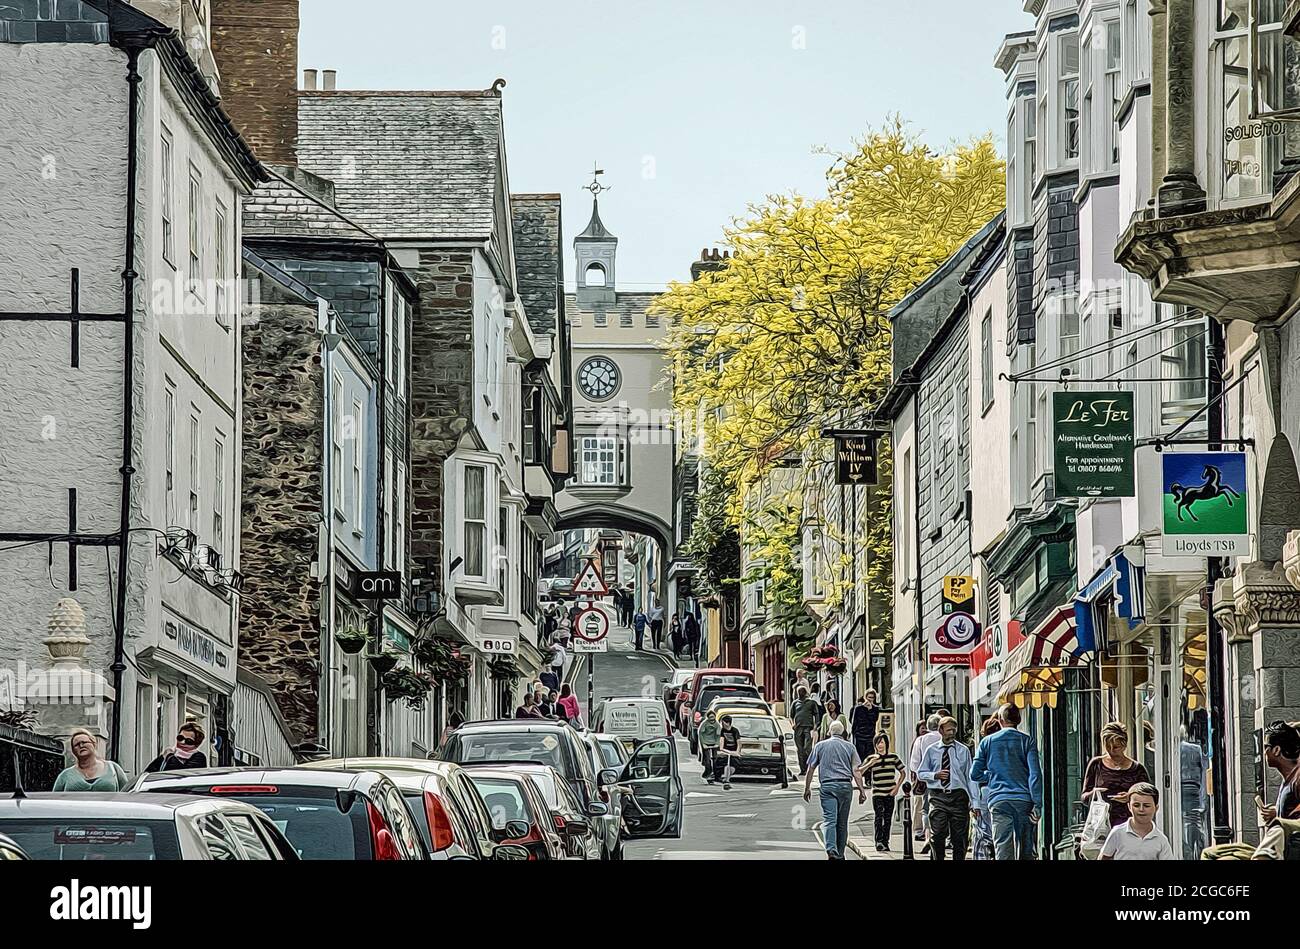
754,820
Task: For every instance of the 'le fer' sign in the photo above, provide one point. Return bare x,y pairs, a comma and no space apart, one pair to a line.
1094,444
855,459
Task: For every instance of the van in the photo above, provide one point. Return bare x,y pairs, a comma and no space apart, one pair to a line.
633,719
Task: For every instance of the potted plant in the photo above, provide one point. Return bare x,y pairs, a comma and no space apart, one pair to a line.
504,668
351,640
385,659
405,683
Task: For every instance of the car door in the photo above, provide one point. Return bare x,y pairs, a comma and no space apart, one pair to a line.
654,804
475,811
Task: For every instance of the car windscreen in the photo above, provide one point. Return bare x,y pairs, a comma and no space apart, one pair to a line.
735,679
504,799
311,820
54,838
711,692
482,747
545,782
609,755
754,726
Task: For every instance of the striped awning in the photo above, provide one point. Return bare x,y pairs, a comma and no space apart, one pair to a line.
1035,669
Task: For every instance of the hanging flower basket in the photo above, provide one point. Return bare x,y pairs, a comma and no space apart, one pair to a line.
505,669
352,640
382,662
440,658
825,658
409,685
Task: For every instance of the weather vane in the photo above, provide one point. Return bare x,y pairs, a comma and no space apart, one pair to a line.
595,187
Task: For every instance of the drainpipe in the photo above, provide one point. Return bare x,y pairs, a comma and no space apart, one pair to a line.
1214,634
377,705
916,519
129,275
324,698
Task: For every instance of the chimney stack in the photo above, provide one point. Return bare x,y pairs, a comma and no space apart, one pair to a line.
330,76
710,261
255,43
309,80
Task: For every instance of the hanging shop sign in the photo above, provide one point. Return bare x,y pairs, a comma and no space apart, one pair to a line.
1203,494
377,584
959,595
1093,444
855,459
951,641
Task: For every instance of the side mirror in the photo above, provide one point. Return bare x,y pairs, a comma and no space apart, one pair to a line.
515,829
576,827
597,809
607,776
510,852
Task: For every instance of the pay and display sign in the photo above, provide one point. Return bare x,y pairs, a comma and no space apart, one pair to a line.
1203,495
1093,432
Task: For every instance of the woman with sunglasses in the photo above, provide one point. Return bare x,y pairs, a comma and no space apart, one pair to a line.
186,754
91,772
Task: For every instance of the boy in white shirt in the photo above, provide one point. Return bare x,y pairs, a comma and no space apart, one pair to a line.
1138,838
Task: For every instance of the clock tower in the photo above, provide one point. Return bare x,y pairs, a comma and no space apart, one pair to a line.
595,249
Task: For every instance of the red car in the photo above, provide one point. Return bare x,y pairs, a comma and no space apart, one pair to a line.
519,813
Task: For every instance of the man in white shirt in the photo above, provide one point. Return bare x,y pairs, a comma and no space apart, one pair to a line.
1138,838
920,820
945,769
559,659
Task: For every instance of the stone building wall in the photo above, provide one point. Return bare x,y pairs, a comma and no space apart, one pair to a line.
255,43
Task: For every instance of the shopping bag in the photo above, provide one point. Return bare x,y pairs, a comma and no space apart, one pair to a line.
1095,829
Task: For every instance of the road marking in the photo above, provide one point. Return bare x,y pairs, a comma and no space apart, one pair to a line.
735,816
701,794
799,844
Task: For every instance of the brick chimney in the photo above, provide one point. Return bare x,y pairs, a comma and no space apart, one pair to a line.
710,261
256,46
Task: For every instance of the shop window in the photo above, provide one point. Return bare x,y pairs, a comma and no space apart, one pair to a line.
1183,369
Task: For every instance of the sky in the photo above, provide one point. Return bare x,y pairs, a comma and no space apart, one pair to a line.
694,109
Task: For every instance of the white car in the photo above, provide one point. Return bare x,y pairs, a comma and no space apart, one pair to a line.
633,719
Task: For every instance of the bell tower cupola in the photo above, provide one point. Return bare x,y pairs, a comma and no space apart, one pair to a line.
596,249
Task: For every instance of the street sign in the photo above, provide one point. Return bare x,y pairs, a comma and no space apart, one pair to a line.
583,647
1204,504
377,584
1094,444
592,625
855,459
877,662
959,595
502,647
589,580
877,647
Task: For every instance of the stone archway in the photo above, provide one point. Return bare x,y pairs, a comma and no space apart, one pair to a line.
1279,503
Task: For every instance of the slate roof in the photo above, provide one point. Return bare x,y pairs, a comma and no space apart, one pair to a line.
535,219
407,164
280,208
633,304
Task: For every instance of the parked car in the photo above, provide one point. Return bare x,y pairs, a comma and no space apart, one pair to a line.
452,818
122,826
633,719
519,814
326,815
574,824
606,751
654,805
740,701
9,849
762,748
689,693
672,689
706,696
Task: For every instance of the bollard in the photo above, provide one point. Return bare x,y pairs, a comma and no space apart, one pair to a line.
907,821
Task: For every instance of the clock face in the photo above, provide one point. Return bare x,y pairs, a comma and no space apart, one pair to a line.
598,378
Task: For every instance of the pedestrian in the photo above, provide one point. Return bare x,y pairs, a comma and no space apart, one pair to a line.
657,627
1007,762
91,772
528,708
728,747
838,761
927,733
691,632
1282,754
185,754
1138,837
1192,767
1111,775
559,656
981,847
945,769
454,721
833,714
570,703
558,710
708,737
541,698
863,720
883,772
803,716
638,627
628,606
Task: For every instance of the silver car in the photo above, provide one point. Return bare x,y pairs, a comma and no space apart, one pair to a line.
120,826
607,751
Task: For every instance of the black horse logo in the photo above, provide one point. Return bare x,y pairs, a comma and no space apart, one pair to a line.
1184,498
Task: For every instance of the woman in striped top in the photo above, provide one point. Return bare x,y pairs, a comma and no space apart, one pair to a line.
884,772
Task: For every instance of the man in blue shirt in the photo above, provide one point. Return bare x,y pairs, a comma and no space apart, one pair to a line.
838,761
945,769
1007,762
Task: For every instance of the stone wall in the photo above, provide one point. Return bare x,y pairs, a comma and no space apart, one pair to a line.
255,43
441,393
283,403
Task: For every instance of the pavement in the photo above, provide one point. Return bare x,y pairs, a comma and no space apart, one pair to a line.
754,820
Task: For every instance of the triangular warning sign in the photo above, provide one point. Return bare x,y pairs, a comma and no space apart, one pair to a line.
589,580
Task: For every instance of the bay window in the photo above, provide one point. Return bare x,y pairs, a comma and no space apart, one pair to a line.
1069,86
474,517
502,557
1113,61
1249,149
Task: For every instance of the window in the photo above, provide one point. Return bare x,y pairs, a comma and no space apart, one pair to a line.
1069,50
986,360
813,558
1250,148
241,827
398,312
532,406
222,273
905,518
144,734
942,438
399,519
358,466
475,508
1115,329
594,276
1183,368
168,198
194,470
1069,326
169,452
528,561
600,460
219,495
217,837
336,474
1031,149
196,232
1114,89
502,557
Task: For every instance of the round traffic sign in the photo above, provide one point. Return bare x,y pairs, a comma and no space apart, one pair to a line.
592,625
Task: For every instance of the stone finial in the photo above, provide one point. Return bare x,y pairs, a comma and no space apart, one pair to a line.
67,639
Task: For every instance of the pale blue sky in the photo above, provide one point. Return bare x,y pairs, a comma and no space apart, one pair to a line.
694,109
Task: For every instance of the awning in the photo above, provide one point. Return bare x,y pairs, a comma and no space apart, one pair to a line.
1036,668
1118,589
